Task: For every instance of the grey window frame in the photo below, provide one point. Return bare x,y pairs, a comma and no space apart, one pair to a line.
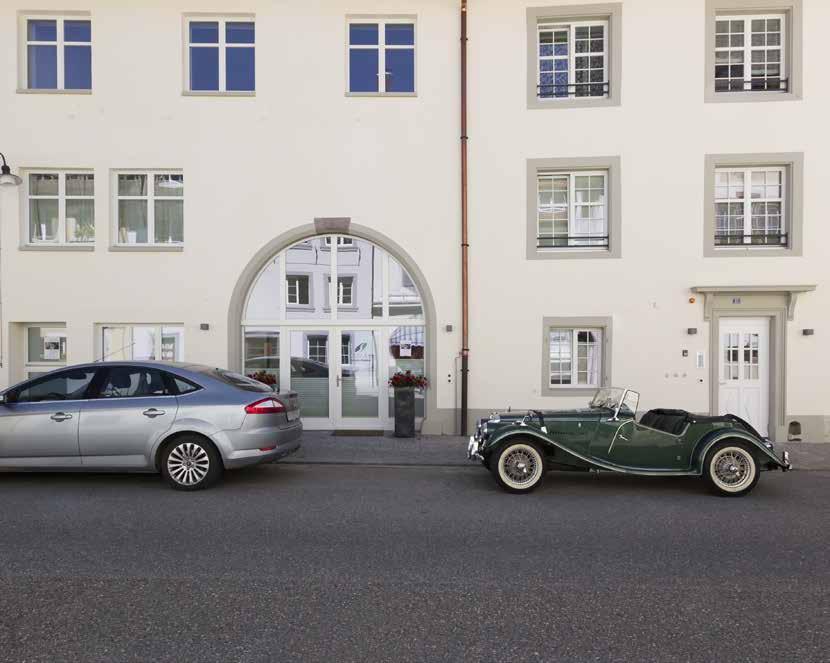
612,165
793,48
604,323
611,12
793,163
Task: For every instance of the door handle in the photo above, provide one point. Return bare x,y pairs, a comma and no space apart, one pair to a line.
152,413
60,416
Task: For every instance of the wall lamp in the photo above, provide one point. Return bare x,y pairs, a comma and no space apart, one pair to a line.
6,176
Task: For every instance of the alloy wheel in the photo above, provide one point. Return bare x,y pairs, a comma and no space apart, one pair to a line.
188,464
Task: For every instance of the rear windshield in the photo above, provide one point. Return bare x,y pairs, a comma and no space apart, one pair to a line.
240,381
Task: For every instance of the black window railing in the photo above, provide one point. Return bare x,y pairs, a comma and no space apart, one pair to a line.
572,90
753,85
754,239
572,241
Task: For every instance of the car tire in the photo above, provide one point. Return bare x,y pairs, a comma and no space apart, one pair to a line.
190,462
731,469
518,465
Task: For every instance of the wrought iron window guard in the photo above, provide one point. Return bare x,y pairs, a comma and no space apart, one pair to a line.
572,90
572,241
753,85
754,239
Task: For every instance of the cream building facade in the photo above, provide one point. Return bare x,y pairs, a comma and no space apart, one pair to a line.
275,187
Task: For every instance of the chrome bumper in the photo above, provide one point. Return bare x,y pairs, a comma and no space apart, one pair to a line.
786,466
472,449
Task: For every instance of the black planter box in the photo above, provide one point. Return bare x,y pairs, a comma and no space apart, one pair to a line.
405,412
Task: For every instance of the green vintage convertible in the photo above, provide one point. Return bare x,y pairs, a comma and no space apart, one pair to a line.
724,450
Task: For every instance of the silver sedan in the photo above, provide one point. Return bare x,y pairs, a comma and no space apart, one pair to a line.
187,421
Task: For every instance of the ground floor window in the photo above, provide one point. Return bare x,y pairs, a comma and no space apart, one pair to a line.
575,357
45,349
142,343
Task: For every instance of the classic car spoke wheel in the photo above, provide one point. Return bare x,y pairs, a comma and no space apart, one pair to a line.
189,463
731,469
520,467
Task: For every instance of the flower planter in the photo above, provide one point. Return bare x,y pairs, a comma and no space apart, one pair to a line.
405,412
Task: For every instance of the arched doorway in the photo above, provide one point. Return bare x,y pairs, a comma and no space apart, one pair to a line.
332,316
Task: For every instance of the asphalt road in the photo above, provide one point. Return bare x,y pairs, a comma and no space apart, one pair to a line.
351,563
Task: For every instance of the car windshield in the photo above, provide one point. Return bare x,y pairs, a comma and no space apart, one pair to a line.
607,398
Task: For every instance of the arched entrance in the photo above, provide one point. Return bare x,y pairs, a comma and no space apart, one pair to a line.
332,316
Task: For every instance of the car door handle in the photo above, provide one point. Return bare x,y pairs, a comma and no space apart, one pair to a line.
152,413
60,416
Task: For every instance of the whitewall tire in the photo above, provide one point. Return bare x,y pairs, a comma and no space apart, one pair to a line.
730,468
518,466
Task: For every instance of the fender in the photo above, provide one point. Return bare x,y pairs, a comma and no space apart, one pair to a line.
185,426
708,441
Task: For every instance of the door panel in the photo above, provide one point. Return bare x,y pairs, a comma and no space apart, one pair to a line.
359,376
744,371
311,375
40,430
632,445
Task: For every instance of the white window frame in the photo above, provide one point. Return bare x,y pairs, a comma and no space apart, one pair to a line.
574,359
571,26
222,45
381,47
150,199
747,202
572,204
346,350
748,48
60,43
293,280
61,197
325,346
129,330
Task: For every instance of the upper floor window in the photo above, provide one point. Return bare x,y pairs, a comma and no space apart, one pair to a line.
297,290
150,208
381,56
61,209
750,53
572,209
750,206
58,53
572,59
221,55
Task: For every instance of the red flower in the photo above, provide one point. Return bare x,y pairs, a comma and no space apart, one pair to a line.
408,380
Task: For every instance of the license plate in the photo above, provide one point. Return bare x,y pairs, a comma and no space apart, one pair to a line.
293,414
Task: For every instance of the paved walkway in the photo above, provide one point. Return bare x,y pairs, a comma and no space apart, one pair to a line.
326,448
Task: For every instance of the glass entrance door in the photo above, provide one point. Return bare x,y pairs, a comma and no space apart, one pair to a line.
359,379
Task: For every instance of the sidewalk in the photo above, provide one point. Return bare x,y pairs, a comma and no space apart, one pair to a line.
322,447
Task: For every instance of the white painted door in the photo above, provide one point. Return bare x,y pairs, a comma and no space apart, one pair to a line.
744,370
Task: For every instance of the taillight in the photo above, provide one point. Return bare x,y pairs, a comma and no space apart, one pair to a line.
266,406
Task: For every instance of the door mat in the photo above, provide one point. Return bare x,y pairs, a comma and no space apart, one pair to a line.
358,433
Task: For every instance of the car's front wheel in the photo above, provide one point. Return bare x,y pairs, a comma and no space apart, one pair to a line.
730,469
190,463
518,466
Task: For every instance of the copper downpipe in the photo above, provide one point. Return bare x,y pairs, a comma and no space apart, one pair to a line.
465,312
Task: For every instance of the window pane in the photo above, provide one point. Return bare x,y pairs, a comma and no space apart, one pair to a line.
64,386
80,220
239,69
80,185
172,343
43,185
404,298
363,70
400,34
239,33
169,221
144,343
132,221
204,68
43,220
363,34
262,352
45,345
130,382
77,31
77,68
168,185
43,67
204,32
38,30
400,67
132,185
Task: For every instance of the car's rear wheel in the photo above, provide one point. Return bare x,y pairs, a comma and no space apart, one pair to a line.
190,462
519,466
730,469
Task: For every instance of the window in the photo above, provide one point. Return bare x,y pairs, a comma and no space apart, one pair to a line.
574,55
221,55
381,56
749,206
575,357
183,386
754,204
133,382
142,343
573,60
573,209
150,209
45,349
58,53
61,208
346,349
297,290
318,349
345,290
341,241
750,53
69,385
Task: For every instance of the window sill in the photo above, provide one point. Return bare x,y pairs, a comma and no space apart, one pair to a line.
553,392
144,248
750,252
748,96
536,103
42,91
381,94
217,93
299,307
572,254
57,247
